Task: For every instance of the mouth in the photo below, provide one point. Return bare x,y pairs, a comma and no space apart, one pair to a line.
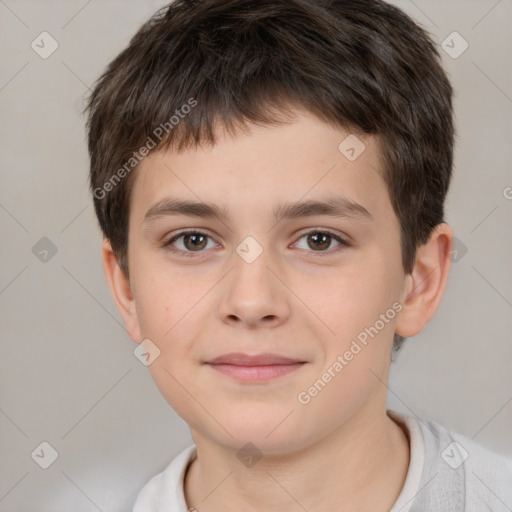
254,368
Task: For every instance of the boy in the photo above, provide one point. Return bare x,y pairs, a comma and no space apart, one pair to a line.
270,179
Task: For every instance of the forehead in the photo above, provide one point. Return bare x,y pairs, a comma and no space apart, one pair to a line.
252,171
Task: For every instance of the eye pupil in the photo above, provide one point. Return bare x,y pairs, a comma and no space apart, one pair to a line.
196,243
321,238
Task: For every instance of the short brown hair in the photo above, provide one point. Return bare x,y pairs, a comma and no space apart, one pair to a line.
357,64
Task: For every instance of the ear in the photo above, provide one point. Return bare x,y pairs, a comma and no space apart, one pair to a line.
119,285
424,286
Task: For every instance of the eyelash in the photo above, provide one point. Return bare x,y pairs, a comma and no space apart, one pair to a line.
191,254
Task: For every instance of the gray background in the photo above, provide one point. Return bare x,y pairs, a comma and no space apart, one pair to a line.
68,375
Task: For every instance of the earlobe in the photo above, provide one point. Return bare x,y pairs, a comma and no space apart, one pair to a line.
425,285
120,289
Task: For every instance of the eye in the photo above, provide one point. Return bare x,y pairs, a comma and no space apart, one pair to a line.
320,241
186,243
192,241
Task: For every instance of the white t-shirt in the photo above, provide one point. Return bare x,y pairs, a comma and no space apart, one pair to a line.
447,472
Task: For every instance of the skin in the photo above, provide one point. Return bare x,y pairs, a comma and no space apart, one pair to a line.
340,451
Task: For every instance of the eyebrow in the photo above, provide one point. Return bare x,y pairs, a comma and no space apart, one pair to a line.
337,206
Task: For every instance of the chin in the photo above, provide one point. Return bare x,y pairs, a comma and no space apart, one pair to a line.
272,433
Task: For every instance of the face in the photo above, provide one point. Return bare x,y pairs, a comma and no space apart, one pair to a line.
292,277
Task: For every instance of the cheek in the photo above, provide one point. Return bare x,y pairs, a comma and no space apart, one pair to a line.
166,301
169,312
352,299
357,356
360,307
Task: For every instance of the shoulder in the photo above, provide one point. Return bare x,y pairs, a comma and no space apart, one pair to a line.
460,470
164,491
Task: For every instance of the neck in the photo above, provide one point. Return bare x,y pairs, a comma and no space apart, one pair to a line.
361,466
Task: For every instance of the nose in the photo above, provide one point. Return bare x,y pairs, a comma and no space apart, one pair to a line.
252,295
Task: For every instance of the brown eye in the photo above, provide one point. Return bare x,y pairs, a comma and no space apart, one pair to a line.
319,241
194,242
188,242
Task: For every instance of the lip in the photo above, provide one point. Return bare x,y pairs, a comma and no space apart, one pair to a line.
241,359
254,368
